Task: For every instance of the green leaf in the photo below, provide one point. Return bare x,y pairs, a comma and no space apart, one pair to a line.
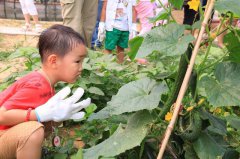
217,125
95,90
225,89
233,45
161,16
24,52
79,154
60,156
231,154
134,45
223,6
234,121
91,108
169,40
134,96
124,138
177,3
207,148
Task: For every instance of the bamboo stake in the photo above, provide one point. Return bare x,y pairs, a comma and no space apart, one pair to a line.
186,79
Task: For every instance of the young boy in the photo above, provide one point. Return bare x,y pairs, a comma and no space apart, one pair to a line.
119,20
31,100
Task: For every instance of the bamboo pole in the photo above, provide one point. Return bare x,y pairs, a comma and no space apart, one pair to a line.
186,79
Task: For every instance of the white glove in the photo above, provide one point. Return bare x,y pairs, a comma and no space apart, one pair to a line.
59,109
101,31
134,31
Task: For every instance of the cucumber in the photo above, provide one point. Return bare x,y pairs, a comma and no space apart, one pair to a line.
193,85
183,65
194,129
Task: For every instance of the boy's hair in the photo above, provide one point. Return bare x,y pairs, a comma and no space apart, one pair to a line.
59,40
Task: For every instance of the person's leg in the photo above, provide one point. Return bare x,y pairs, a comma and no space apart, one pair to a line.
32,10
223,27
89,17
122,44
72,15
22,141
25,14
33,147
120,54
95,41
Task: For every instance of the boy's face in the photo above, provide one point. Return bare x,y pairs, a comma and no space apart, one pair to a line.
70,66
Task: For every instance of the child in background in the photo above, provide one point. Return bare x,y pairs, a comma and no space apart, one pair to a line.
145,10
118,19
30,101
29,9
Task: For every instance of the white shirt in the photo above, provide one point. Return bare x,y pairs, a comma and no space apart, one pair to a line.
111,12
121,17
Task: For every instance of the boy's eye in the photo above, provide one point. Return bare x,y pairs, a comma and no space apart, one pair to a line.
78,61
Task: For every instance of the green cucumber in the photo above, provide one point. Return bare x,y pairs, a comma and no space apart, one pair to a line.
183,65
193,85
194,129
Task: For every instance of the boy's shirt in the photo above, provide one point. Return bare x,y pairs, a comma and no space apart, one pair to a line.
121,17
118,11
30,91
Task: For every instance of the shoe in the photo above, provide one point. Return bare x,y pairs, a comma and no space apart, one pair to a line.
26,27
38,28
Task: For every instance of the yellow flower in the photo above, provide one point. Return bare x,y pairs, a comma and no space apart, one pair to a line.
168,116
226,114
194,4
190,108
200,102
218,110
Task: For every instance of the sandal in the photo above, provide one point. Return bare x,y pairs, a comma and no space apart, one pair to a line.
38,28
27,27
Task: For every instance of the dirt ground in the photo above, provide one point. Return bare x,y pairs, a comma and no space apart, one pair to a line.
8,43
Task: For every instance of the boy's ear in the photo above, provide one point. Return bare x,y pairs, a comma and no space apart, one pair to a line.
52,60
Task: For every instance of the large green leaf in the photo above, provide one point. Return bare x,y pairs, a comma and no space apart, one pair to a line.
134,96
224,6
124,138
217,125
233,45
207,148
225,89
168,40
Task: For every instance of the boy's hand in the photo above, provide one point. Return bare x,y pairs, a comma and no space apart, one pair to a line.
60,108
101,31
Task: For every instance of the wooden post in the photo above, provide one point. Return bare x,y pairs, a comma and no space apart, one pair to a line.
186,79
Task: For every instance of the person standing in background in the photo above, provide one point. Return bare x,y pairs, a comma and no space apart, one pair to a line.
95,42
29,9
80,15
118,22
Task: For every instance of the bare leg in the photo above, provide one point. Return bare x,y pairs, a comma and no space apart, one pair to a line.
120,54
221,36
27,18
107,51
35,19
32,148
